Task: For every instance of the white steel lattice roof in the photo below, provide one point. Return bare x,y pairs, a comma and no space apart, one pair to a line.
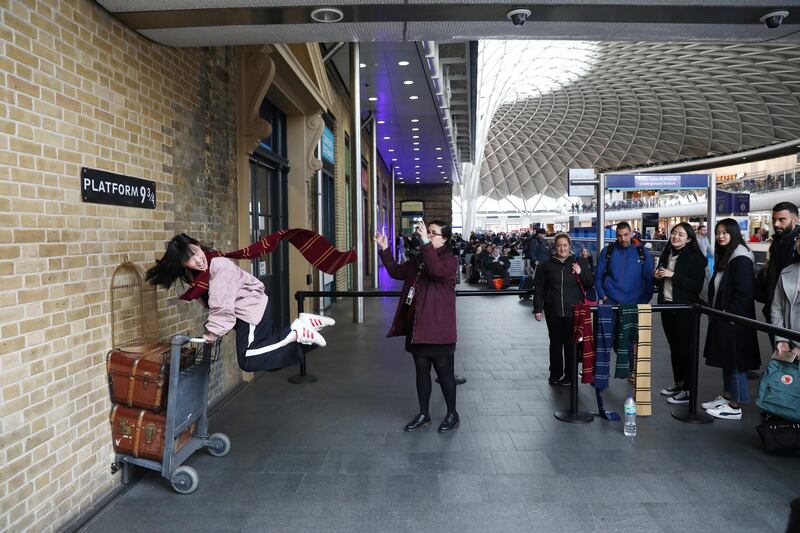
559,104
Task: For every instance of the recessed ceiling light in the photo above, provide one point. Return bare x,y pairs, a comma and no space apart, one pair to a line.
414,129
439,158
402,63
391,149
327,14
381,122
416,149
373,98
415,136
394,159
363,65
438,147
416,143
408,82
438,166
441,172
413,97
386,138
416,166
416,159
417,120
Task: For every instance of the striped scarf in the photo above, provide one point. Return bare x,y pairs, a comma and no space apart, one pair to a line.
642,385
627,319
583,336
605,338
314,247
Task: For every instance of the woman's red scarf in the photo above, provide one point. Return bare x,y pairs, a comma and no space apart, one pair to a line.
314,247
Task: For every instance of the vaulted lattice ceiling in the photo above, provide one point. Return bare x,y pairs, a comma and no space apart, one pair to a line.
614,105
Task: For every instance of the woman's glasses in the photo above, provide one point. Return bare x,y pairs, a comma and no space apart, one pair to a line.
434,234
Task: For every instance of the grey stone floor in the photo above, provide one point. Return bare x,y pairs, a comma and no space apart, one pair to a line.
332,456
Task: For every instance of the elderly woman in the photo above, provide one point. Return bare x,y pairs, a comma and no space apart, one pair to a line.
785,311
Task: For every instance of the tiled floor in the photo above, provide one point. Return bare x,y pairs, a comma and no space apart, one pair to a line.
332,456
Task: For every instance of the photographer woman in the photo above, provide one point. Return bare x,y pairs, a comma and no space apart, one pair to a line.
556,289
728,346
680,274
426,315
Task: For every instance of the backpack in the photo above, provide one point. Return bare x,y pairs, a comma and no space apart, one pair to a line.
611,247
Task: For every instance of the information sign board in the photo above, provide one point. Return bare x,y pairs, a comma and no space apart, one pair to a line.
102,187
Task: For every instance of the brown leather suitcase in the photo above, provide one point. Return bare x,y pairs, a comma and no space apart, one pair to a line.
139,378
141,433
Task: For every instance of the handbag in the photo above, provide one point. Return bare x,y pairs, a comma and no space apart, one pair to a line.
587,297
779,435
779,390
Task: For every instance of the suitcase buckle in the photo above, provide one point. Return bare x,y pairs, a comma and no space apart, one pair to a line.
150,433
146,380
125,428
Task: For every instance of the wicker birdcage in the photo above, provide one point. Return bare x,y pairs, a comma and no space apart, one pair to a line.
134,312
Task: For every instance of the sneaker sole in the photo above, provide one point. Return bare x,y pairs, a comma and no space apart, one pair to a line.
677,402
723,416
712,405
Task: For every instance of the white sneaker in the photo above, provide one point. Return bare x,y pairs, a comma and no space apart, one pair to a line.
719,401
306,335
725,412
316,322
671,390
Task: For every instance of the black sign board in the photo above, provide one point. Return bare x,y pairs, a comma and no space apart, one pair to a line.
101,187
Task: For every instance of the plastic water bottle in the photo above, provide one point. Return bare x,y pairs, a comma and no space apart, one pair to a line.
630,417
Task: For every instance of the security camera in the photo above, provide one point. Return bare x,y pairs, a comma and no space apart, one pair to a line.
520,15
774,19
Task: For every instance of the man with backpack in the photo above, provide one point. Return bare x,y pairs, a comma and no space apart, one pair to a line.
624,270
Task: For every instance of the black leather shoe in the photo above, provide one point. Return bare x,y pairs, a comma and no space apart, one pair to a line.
451,421
419,421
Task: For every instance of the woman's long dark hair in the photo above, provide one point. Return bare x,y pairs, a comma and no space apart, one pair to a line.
170,267
692,247
447,232
722,254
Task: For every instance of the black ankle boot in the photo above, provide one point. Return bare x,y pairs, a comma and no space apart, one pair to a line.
419,421
451,421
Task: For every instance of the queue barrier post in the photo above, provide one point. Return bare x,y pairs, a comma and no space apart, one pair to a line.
573,415
690,414
303,377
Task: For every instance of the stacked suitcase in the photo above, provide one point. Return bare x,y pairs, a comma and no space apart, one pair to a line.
138,382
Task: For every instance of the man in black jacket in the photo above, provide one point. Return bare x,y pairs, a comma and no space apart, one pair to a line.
781,253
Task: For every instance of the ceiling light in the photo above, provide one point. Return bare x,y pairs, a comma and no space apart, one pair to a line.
415,136
438,166
381,122
327,14
416,143
386,138
414,129
416,149
413,97
439,158
414,120
402,63
408,82
438,147
362,65
416,159
391,149
373,98
416,166
394,159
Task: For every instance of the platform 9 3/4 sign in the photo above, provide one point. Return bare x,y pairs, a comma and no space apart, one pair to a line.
101,187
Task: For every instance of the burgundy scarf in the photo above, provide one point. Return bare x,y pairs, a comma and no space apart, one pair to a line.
314,247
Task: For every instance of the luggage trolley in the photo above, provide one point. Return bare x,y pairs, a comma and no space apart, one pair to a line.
187,404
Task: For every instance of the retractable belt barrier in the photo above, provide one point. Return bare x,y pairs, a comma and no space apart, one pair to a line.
689,414
300,296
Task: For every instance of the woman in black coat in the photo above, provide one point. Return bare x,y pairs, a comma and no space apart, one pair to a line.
729,346
680,274
555,290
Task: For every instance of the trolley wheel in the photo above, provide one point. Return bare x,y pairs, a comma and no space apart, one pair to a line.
185,480
219,445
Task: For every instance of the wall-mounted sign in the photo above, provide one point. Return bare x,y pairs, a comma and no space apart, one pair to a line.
101,187
657,181
328,152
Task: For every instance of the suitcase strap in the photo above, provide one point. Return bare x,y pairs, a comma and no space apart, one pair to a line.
138,435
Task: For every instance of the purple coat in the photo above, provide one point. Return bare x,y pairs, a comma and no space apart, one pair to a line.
434,320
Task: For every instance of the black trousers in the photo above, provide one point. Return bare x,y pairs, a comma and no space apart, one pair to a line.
260,347
562,347
678,329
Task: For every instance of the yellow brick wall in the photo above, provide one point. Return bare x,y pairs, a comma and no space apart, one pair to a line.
79,89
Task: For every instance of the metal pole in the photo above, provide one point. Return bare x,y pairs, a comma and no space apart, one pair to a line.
691,415
303,377
601,213
712,212
374,187
320,274
393,235
355,172
572,415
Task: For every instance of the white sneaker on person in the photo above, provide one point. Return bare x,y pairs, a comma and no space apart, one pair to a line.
726,412
316,322
306,335
671,390
680,397
719,401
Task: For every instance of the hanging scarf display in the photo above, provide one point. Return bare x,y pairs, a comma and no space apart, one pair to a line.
584,338
625,341
315,248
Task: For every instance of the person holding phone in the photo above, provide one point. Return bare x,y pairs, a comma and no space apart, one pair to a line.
426,315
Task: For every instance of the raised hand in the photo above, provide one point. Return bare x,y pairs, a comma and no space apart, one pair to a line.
382,241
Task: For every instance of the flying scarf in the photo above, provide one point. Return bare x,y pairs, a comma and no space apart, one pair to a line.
315,248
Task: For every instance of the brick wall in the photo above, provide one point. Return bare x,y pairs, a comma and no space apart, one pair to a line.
79,89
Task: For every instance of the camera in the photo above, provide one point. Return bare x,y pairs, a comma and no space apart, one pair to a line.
774,19
413,245
520,15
